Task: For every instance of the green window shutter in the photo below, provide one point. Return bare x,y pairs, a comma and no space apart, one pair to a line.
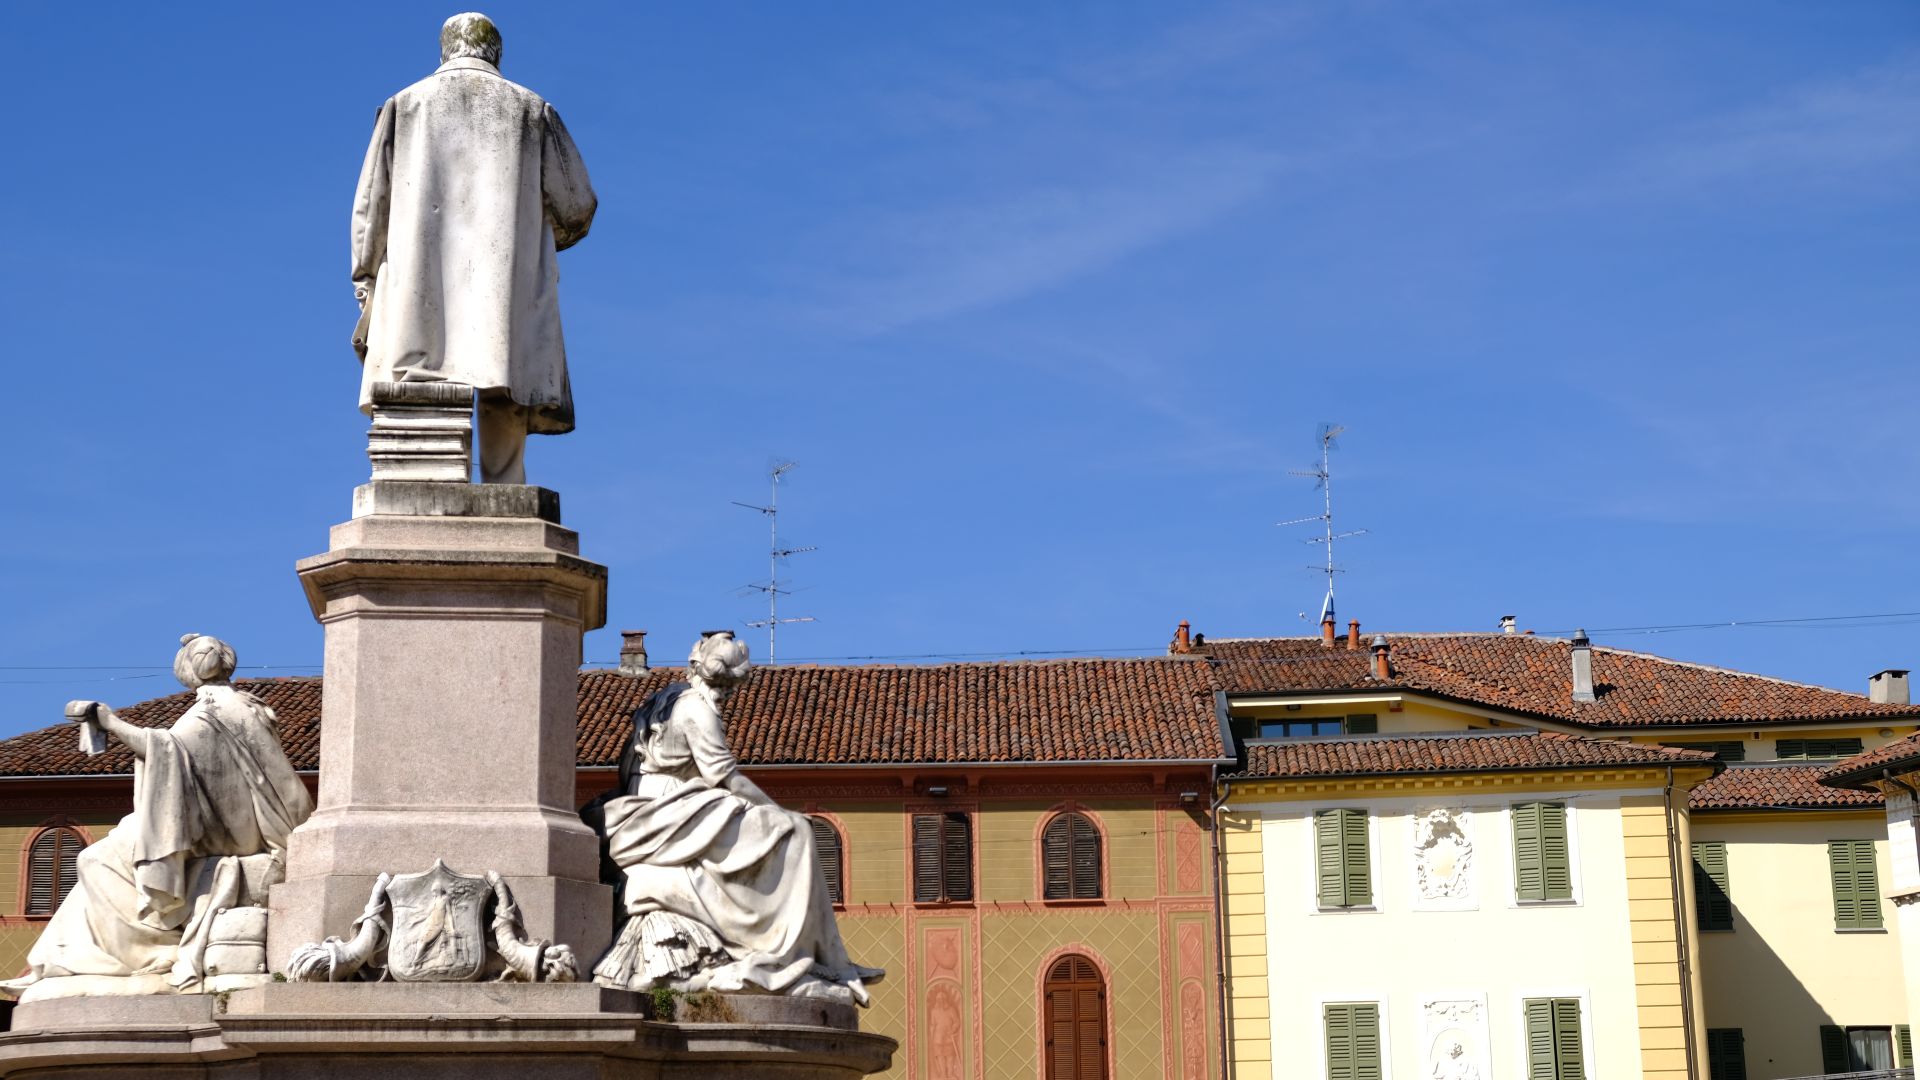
1540,1059
1726,1054
1363,724
1728,751
1353,1040
1541,867
1359,868
1340,853
1903,1046
1856,885
1566,1040
1787,749
1553,851
1326,847
1527,880
1712,903
1833,1049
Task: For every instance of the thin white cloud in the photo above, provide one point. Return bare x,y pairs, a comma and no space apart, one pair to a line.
1862,129
946,259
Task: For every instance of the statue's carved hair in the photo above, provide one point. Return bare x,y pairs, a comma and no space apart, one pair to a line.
470,34
719,658
202,660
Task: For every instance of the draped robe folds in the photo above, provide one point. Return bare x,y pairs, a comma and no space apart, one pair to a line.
746,870
213,795
470,185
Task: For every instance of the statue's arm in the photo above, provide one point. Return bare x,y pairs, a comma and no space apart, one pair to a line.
563,181
135,738
371,201
707,740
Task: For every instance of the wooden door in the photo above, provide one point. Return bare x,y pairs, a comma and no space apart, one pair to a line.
1076,1030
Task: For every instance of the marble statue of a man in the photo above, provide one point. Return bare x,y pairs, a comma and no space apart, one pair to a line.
214,799
470,186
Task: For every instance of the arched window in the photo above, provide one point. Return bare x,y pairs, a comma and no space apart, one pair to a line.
1070,856
826,848
942,858
1076,1021
51,868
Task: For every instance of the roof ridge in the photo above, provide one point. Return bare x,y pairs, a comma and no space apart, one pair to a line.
1716,669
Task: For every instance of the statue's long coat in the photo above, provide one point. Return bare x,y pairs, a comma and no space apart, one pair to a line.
470,186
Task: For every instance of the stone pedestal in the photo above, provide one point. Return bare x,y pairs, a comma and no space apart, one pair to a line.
453,617
443,1031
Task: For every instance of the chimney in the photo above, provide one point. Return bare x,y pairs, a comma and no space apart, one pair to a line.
1182,640
1353,635
1382,661
1509,624
1582,667
633,652
1889,687
1326,629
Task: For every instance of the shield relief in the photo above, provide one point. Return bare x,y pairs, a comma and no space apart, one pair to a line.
438,926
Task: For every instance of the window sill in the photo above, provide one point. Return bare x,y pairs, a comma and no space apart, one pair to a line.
1714,929
1559,903
1074,901
1356,909
936,905
1859,929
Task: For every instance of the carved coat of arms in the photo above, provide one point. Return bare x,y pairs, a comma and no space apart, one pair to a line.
438,930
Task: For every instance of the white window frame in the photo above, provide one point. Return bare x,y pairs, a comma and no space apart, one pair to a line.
1591,1065
1372,995
1374,880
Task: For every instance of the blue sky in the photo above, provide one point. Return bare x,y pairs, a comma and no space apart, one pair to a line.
1619,304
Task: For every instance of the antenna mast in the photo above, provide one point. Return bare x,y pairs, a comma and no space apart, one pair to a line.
773,587
1323,479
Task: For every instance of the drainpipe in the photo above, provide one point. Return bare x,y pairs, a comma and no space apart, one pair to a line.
1215,802
1680,921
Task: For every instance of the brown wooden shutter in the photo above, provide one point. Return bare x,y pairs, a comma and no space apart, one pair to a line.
926,858
1070,858
956,857
826,848
1076,1021
1056,862
52,868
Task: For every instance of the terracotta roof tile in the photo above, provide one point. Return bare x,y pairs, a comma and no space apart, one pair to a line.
1533,676
1443,752
1760,785
1901,755
1052,711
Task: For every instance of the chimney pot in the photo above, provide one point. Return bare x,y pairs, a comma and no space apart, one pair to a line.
1382,658
1509,624
1182,639
1326,629
633,652
1582,667
1353,635
1889,687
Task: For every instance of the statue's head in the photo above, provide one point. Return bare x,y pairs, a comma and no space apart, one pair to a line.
470,34
720,660
202,660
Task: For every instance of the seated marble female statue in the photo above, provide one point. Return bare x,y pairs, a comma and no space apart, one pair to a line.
723,889
214,798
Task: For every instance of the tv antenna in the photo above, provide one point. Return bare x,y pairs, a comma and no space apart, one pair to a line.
773,588
1323,480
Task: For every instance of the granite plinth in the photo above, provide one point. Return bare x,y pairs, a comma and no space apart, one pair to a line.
453,617
423,498
319,1031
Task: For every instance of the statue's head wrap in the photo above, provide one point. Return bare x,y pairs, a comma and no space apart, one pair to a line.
202,660
470,34
719,660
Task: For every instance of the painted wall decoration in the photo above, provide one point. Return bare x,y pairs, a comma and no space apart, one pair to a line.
1443,858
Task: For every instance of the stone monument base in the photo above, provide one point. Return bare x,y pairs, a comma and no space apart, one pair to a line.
438,1031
